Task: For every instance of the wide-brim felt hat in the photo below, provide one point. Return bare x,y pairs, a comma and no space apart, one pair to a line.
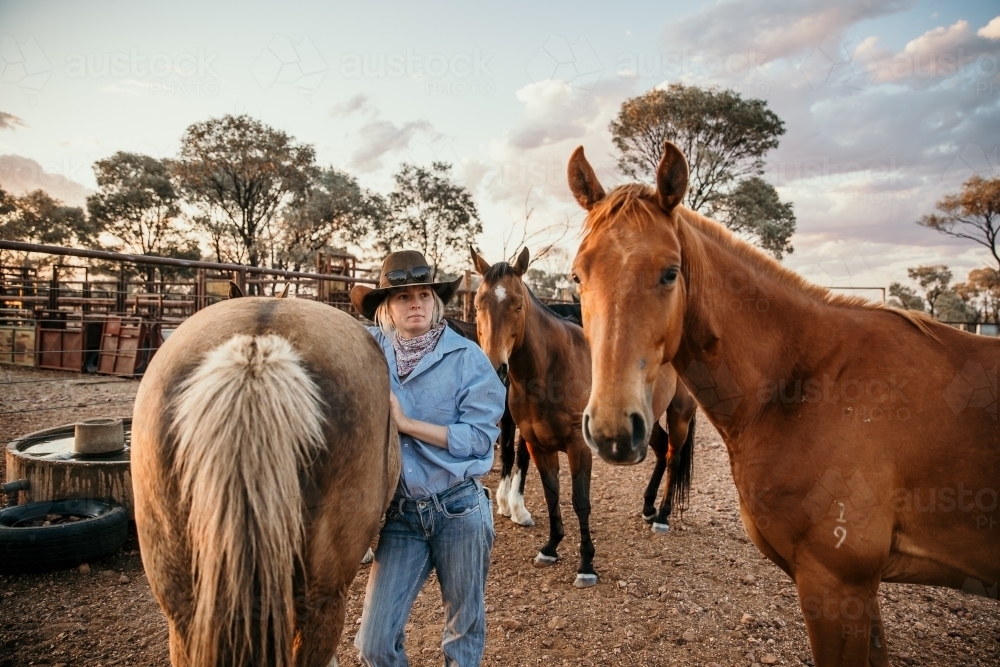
403,263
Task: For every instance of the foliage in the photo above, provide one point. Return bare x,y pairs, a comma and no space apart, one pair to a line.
981,294
905,297
138,205
549,285
933,280
333,211
38,218
754,210
429,213
972,214
241,172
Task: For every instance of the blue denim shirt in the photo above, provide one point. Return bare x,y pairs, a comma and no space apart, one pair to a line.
454,385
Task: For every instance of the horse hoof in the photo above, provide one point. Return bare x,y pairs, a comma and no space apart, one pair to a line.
648,518
660,528
541,560
522,519
585,580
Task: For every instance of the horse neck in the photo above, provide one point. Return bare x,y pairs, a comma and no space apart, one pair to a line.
533,355
741,326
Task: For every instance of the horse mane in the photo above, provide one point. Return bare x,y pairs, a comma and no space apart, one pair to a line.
635,202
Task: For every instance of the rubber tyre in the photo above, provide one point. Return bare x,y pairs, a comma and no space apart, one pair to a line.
42,548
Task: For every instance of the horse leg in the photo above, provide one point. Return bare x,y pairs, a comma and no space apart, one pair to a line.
548,469
842,619
519,514
679,463
320,622
507,428
580,464
658,443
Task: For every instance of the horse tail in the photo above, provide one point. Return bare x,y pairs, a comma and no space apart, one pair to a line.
679,491
247,423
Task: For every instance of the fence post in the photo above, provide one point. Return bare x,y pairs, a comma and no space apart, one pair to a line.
199,290
54,289
120,291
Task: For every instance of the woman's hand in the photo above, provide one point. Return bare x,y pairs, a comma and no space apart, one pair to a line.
432,434
397,413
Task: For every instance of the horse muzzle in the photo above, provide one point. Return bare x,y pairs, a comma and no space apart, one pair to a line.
624,446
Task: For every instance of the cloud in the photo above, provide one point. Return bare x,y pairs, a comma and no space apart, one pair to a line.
936,55
359,104
9,121
775,29
991,30
556,118
380,137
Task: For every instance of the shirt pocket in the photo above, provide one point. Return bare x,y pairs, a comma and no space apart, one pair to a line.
436,406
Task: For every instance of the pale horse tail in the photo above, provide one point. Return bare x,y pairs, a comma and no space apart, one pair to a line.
247,421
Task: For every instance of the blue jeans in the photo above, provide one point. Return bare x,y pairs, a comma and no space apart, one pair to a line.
451,532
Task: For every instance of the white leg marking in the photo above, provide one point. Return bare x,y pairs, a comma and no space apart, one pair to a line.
519,514
502,490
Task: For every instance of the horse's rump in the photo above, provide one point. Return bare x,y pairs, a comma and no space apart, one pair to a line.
262,460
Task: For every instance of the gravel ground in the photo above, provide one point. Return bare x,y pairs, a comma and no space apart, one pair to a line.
700,595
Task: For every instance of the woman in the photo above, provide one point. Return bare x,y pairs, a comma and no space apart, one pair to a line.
446,401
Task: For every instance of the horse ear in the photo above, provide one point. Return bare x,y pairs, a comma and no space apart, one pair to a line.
234,290
671,177
284,292
521,265
583,181
482,266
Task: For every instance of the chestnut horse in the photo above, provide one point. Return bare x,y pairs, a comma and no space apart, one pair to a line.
547,362
263,457
836,413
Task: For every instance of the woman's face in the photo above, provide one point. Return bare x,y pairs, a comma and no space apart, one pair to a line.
411,309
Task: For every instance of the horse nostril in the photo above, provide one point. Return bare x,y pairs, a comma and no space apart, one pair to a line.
638,430
586,427
502,372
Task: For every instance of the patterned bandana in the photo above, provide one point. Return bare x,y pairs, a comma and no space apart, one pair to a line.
409,351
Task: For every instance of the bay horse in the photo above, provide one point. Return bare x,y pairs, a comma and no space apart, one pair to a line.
863,440
510,490
263,458
546,360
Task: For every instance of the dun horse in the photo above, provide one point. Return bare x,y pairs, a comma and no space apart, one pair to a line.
841,418
263,457
547,362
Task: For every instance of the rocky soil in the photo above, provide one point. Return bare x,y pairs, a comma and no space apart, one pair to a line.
700,595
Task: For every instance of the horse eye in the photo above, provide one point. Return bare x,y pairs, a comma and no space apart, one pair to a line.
575,278
669,276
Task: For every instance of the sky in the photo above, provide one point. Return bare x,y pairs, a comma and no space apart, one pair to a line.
887,105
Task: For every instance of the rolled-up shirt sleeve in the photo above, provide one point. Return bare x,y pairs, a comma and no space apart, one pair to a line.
480,407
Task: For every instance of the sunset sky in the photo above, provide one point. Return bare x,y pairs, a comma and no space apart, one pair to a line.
887,105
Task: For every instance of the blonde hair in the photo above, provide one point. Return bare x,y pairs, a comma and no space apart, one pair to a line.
383,320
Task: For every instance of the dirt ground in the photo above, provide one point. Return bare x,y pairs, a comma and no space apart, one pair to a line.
700,595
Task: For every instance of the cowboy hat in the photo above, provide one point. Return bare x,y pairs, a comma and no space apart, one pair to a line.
399,269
